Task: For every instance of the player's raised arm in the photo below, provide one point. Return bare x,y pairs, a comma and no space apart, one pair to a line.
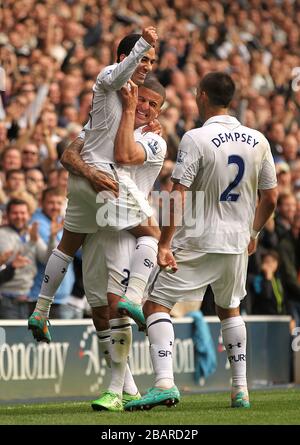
115,77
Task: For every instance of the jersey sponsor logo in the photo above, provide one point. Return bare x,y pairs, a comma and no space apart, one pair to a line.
180,156
153,145
222,138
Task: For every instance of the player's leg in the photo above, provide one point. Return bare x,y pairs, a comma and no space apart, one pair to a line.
55,272
161,338
142,262
109,271
164,290
229,290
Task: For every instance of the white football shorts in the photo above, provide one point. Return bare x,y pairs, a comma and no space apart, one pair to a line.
106,264
226,273
87,211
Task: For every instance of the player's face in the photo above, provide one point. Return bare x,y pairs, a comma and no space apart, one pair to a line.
148,107
144,67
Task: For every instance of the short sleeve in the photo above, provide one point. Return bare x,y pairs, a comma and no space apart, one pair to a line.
155,147
188,162
267,176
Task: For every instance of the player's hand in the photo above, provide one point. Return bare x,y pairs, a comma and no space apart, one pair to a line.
100,182
34,232
165,258
150,35
129,96
154,127
252,246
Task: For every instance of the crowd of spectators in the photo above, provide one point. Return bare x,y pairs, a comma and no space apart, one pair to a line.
52,51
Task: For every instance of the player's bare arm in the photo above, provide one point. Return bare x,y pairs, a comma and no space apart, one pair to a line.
127,151
264,209
73,162
165,257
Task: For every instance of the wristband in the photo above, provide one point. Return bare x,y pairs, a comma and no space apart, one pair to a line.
254,234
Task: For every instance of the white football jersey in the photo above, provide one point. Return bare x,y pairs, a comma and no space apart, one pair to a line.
155,150
228,162
105,115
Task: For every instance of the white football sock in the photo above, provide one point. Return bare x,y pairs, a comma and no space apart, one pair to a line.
142,262
161,337
55,271
235,340
104,345
120,342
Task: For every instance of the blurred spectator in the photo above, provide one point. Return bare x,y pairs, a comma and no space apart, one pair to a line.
18,237
7,268
266,290
50,224
289,248
286,211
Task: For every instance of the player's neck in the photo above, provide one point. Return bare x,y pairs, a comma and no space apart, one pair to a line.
213,111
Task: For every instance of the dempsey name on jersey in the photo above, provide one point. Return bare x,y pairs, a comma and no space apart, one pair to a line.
222,138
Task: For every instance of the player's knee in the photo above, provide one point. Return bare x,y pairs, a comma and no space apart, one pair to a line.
224,313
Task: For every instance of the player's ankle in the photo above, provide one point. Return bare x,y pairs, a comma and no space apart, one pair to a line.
236,389
164,383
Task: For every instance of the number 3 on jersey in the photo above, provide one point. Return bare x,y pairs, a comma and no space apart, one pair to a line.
226,195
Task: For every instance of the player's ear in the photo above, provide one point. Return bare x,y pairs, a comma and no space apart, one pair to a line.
122,57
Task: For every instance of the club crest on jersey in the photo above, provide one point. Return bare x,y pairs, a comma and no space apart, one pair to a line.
180,156
153,145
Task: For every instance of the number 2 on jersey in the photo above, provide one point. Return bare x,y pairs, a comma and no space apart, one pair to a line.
226,195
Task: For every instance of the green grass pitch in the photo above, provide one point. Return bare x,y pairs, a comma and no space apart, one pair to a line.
272,407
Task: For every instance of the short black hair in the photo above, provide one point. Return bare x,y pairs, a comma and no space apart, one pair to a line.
52,191
16,202
152,83
14,171
219,88
126,45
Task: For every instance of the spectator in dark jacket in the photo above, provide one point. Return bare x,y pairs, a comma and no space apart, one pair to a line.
266,287
289,249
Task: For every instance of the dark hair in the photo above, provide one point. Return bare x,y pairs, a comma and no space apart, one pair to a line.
16,202
152,83
126,45
272,253
14,171
219,88
52,191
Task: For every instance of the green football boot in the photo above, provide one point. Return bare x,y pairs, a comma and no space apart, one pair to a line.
240,400
126,398
108,401
133,310
39,327
155,397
